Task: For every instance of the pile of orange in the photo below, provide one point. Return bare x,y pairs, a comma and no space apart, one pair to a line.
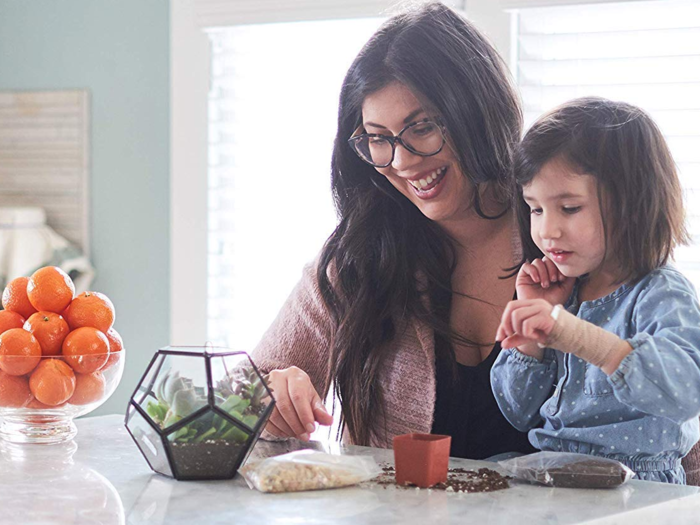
54,346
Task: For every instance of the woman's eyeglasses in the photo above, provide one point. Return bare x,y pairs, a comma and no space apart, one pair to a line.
425,138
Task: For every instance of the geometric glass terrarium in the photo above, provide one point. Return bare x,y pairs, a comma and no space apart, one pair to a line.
198,411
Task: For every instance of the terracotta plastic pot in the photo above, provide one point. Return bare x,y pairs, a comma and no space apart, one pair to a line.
421,459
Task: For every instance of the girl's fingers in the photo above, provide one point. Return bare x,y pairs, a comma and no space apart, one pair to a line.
539,266
529,271
552,269
519,315
500,334
505,329
532,329
514,341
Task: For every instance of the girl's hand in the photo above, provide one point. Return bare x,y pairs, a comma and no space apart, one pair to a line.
541,279
525,322
298,405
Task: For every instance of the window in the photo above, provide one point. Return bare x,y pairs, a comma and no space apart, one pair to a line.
645,53
272,120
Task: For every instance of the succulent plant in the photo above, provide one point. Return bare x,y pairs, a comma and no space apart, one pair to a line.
177,398
247,384
241,394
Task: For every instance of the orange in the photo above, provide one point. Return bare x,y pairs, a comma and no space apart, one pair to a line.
34,403
50,330
20,352
15,299
53,382
90,309
50,289
9,320
115,345
88,388
86,349
14,391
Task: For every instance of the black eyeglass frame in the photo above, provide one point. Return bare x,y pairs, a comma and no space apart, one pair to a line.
393,139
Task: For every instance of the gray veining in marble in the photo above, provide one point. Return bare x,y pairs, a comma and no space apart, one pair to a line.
101,478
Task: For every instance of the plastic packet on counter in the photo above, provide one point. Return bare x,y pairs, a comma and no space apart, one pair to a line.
308,470
567,469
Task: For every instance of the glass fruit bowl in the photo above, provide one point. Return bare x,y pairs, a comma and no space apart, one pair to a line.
40,396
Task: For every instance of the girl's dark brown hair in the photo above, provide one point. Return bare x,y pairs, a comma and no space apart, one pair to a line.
638,188
368,267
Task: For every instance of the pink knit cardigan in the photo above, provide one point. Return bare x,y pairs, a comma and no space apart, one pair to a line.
300,336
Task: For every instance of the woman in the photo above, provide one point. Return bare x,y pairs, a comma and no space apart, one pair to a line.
400,309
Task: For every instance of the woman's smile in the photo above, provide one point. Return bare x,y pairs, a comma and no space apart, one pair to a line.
428,187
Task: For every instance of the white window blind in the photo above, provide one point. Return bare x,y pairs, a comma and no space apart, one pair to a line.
272,120
44,145
644,53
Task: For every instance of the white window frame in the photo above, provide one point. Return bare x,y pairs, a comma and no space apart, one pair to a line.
189,86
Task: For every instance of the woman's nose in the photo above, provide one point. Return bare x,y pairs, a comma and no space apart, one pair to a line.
404,159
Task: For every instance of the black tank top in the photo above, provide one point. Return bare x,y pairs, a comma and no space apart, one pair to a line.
467,411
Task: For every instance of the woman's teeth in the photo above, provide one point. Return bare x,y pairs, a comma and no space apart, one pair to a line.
427,181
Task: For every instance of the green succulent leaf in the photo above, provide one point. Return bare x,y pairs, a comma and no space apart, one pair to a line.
250,420
234,402
170,419
235,434
209,433
153,410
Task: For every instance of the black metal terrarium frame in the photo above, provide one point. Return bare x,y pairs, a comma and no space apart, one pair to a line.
163,433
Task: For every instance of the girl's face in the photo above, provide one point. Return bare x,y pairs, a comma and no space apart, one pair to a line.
434,184
566,221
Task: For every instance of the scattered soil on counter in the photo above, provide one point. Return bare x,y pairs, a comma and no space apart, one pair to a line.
458,480
210,458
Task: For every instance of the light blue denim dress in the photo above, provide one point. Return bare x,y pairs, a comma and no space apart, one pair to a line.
646,413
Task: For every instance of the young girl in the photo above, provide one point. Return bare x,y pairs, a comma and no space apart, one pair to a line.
615,371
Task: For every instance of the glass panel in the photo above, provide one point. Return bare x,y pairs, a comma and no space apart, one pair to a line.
178,391
239,390
208,448
145,389
149,442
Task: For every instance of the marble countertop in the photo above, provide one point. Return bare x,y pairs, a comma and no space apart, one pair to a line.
102,478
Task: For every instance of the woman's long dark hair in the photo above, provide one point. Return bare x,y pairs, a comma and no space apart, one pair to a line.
369,266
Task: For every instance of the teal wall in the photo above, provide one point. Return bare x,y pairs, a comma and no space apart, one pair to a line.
119,51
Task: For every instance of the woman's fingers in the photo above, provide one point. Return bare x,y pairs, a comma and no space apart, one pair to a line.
293,413
279,426
301,393
274,429
320,413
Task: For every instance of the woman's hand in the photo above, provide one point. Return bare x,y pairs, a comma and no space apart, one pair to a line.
525,322
541,279
298,405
